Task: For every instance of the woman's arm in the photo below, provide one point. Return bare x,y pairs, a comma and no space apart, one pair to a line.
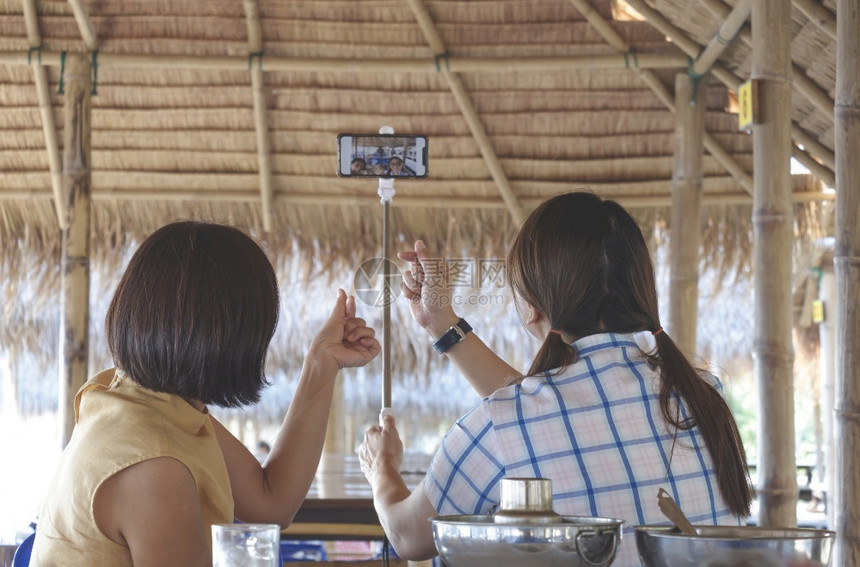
404,515
273,493
153,507
425,285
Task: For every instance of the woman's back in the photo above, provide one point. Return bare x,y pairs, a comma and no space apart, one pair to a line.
597,431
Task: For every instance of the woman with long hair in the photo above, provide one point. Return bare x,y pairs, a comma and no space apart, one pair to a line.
610,410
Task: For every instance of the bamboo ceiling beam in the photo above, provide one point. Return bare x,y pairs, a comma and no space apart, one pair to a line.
819,150
723,37
476,65
818,14
251,197
431,34
814,167
85,25
649,78
49,128
692,49
805,86
261,123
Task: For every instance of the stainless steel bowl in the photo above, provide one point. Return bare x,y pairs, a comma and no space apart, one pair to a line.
733,546
476,541
526,532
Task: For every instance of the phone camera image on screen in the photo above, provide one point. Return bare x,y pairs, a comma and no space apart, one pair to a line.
382,155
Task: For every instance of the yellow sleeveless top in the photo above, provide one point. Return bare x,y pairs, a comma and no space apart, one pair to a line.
118,424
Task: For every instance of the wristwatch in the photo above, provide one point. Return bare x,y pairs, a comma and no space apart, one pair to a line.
454,335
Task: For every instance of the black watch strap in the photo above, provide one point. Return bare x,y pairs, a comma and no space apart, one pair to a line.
452,336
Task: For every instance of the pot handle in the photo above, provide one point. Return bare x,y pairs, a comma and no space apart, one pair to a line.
603,559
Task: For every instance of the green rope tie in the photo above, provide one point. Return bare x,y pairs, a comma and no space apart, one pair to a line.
438,59
60,89
259,56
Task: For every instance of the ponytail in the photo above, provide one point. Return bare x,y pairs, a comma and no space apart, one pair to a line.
711,414
554,354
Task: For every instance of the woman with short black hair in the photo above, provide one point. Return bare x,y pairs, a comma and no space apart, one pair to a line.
148,470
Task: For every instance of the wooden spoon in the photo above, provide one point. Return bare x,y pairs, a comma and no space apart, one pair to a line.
671,510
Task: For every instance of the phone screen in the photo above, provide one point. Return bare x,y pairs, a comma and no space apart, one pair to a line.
382,155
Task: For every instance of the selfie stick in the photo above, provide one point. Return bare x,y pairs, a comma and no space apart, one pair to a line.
386,195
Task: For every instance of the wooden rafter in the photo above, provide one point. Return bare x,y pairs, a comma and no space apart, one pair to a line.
611,36
414,65
85,25
818,14
46,110
264,152
692,47
726,33
236,196
431,34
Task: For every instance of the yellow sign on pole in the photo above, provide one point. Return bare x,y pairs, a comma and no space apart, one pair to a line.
747,105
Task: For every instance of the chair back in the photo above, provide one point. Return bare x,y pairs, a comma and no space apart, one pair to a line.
22,554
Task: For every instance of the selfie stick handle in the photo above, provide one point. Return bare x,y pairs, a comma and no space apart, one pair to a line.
386,195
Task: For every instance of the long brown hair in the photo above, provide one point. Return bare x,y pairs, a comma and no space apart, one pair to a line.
582,262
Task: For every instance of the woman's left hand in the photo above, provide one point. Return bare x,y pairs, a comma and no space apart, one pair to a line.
381,449
345,338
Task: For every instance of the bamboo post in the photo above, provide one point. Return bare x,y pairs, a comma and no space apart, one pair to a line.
431,34
686,212
75,268
827,361
334,434
46,110
261,123
846,264
772,256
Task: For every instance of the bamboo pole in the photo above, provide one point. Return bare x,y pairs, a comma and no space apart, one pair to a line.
85,25
692,49
818,14
846,264
475,65
225,196
726,33
772,256
261,123
686,213
827,361
815,148
49,129
431,34
649,78
75,276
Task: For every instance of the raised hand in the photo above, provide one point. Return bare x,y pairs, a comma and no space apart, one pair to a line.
425,285
345,338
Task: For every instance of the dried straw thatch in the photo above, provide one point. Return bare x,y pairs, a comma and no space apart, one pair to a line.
175,135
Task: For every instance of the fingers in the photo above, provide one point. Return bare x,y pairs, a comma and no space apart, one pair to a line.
339,310
350,307
358,333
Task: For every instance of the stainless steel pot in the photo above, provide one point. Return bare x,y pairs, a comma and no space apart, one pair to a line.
525,531
733,546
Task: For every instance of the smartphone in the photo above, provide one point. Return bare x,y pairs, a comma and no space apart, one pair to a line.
382,155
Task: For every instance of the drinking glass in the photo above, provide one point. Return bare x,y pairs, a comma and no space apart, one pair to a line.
246,545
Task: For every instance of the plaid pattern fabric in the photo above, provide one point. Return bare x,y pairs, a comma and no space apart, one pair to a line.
596,430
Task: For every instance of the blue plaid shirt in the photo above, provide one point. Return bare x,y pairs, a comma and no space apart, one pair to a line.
596,430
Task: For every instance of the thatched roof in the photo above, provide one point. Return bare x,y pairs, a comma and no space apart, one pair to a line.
175,135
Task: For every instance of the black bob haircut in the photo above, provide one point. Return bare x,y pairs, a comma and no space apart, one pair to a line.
194,313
